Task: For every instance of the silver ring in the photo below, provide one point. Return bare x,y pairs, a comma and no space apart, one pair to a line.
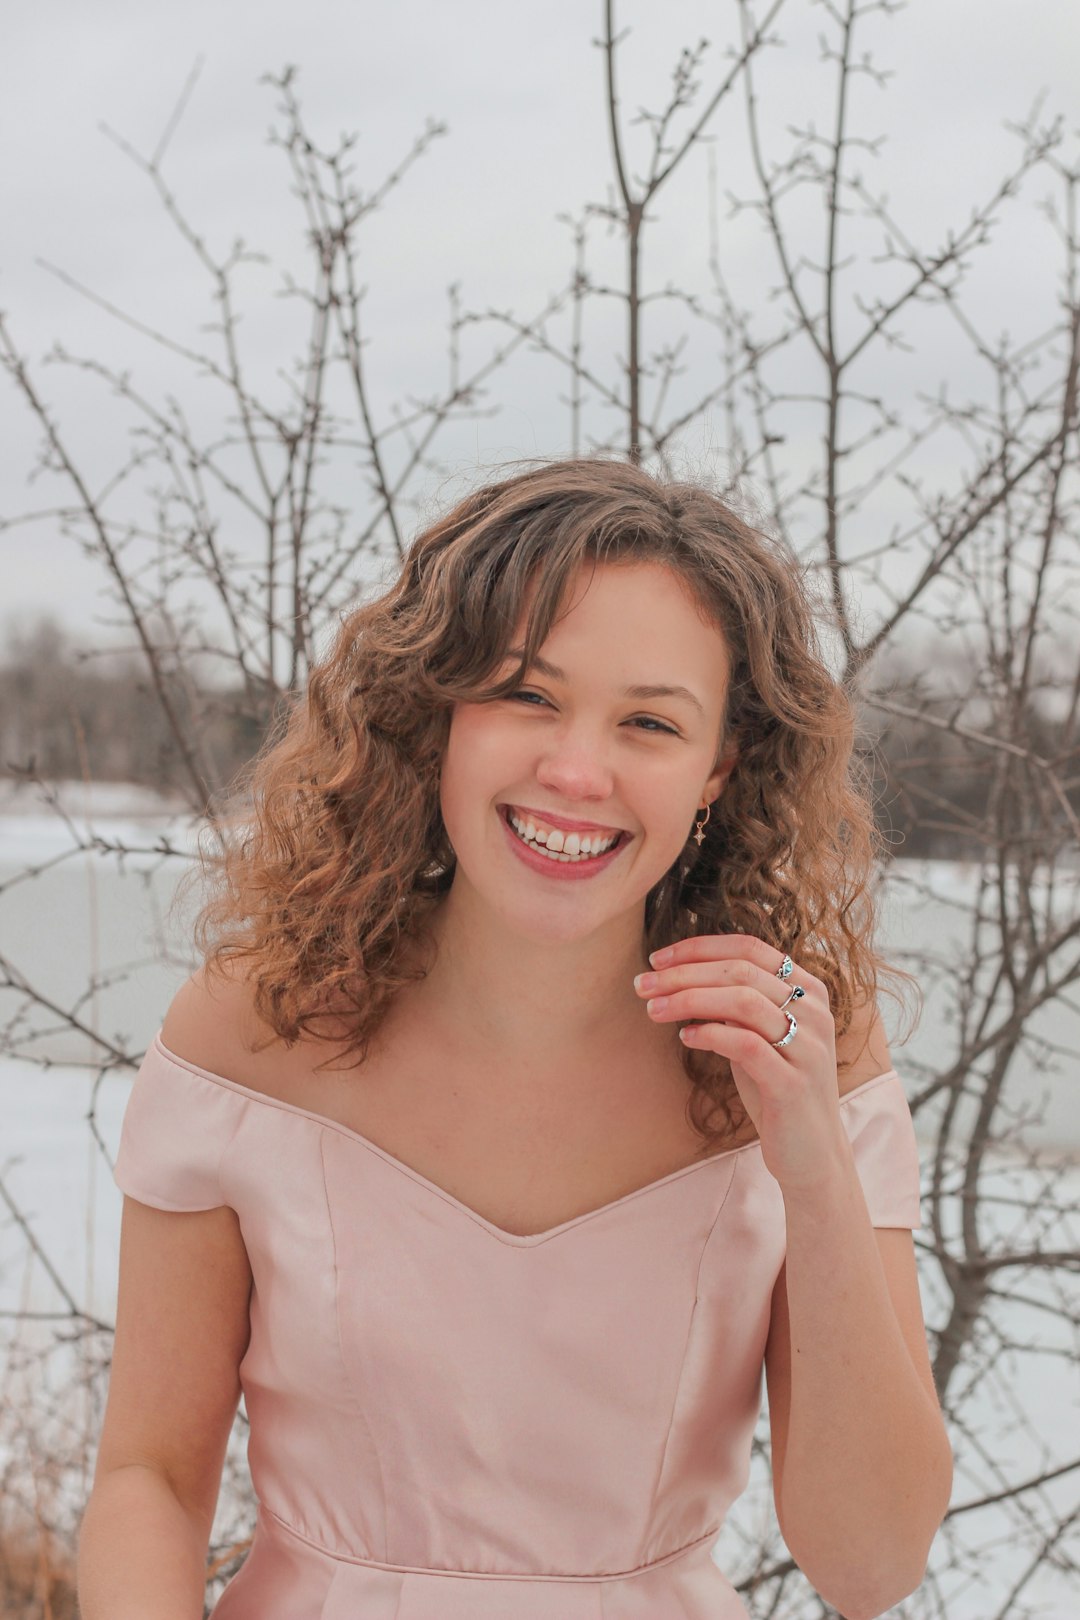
785,967
790,1036
796,991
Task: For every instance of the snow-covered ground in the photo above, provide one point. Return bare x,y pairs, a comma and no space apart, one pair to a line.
87,913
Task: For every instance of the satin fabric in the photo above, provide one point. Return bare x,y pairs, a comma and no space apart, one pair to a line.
451,1422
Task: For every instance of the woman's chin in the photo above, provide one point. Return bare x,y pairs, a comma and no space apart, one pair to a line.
549,920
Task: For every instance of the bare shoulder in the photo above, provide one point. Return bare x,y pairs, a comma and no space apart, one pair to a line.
212,1022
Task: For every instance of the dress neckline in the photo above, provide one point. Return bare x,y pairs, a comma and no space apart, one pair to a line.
522,1240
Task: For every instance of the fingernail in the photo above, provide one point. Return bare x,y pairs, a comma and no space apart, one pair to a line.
644,981
658,958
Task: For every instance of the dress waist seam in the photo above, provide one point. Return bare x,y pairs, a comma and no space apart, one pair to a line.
484,1574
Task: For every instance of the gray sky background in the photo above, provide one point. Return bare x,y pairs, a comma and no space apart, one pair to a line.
521,89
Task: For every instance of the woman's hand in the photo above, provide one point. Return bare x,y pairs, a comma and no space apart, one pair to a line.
728,984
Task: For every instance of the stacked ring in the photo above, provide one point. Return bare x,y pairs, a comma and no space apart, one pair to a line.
783,972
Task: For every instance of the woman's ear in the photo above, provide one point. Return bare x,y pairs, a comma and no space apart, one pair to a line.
724,767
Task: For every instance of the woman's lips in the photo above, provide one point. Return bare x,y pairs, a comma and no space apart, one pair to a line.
560,869
524,813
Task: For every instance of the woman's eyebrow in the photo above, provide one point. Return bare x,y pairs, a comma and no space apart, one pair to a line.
554,673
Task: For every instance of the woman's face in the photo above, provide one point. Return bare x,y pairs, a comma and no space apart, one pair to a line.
581,747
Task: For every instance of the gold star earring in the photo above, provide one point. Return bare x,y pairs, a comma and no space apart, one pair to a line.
699,832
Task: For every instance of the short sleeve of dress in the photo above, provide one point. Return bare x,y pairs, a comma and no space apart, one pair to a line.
882,1135
175,1131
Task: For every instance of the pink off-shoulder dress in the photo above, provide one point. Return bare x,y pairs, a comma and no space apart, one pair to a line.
449,1422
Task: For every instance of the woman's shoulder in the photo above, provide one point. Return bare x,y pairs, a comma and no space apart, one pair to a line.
212,1023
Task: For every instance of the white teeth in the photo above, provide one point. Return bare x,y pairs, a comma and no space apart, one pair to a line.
559,846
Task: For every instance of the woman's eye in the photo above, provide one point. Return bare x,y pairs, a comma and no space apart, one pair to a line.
641,720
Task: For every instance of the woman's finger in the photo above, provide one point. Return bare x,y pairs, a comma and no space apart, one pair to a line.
714,949
737,1004
691,975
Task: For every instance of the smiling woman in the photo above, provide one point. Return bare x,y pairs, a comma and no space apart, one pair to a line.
573,742
543,612
418,1160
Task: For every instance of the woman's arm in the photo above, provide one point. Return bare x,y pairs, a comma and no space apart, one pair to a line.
867,1465
862,1466
182,1327
142,1556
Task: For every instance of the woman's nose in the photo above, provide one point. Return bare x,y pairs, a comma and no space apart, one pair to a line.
577,770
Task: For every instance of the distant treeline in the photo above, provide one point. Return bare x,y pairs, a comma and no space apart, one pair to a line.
100,716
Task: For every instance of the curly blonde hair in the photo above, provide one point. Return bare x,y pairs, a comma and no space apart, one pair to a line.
339,853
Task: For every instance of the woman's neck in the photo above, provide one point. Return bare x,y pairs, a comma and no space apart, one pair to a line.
536,1004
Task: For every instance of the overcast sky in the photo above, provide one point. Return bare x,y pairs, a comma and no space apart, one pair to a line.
521,90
